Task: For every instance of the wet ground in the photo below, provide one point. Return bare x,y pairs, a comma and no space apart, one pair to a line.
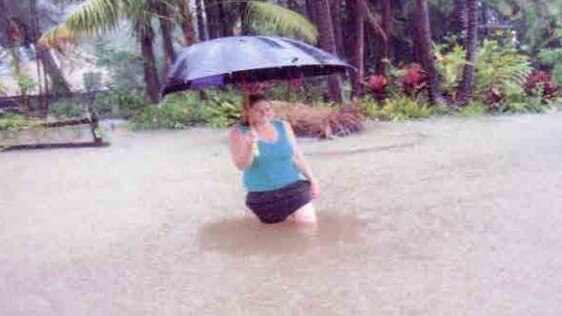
442,217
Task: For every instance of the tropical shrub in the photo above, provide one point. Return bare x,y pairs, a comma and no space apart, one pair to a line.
541,84
450,64
16,122
501,73
66,109
399,109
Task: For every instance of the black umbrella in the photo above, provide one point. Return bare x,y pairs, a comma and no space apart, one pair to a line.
246,59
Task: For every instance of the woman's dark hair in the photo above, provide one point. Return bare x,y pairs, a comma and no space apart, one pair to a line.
252,99
255,98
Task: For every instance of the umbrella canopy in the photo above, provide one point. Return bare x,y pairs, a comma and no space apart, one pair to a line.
240,59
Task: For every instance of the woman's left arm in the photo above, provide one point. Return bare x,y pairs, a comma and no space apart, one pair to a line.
301,162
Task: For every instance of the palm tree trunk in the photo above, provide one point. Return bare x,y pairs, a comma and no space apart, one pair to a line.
357,21
166,30
213,19
311,11
326,41
425,52
223,20
146,39
186,23
59,83
384,41
245,25
50,67
201,22
461,20
336,10
467,83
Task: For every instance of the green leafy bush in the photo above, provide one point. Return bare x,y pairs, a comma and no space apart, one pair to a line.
552,57
501,73
180,110
474,108
66,109
450,64
123,103
399,109
16,122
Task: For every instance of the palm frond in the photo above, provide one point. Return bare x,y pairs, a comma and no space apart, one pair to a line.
58,37
282,20
95,16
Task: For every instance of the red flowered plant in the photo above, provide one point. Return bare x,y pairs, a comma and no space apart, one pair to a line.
377,83
413,81
540,82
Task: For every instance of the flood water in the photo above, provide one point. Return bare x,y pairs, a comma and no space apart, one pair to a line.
441,217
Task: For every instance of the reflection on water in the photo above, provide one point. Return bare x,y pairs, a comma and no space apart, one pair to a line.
245,235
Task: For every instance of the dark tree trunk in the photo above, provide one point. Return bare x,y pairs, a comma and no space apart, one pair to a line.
336,10
146,39
485,16
356,15
292,4
326,41
213,19
201,23
59,83
461,21
189,37
467,83
386,11
425,51
166,31
50,67
311,11
245,25
223,20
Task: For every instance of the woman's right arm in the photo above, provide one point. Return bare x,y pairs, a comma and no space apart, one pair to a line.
241,148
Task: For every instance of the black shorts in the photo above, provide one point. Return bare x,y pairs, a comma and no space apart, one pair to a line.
275,206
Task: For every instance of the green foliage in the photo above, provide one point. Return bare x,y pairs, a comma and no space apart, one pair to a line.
124,103
17,122
92,81
26,83
181,110
474,108
125,67
66,109
557,73
2,89
450,64
552,58
500,69
525,104
272,18
402,108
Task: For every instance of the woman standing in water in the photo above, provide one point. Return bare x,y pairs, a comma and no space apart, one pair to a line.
278,178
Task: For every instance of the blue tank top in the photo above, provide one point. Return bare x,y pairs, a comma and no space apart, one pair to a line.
273,168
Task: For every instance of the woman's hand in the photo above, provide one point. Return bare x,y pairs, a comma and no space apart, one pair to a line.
251,138
314,189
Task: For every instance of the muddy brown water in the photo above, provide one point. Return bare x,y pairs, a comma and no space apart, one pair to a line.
441,217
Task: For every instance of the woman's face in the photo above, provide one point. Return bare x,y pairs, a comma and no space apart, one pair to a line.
261,113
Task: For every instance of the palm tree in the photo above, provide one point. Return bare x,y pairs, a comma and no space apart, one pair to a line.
461,22
425,52
96,16
326,40
467,83
166,28
356,17
22,17
336,10
385,44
